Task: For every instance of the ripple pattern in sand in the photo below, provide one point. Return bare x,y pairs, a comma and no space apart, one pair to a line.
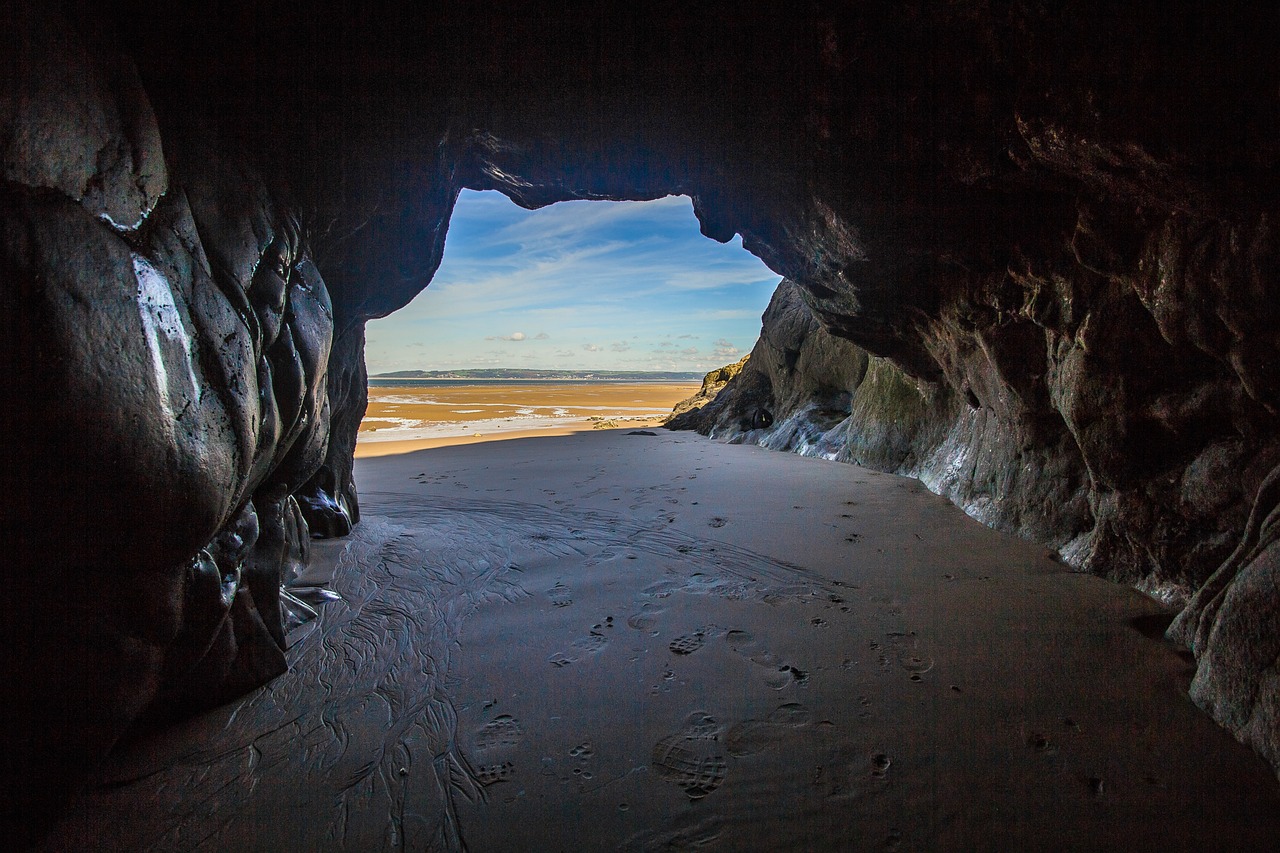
359,739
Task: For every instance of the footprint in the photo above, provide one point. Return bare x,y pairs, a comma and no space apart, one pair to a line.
645,619
747,646
560,595
777,674
880,765
702,726
792,715
752,736
916,663
491,774
691,758
661,589
717,522
503,730
785,676
688,643
593,642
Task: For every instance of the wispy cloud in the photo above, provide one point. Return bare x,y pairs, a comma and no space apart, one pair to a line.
580,273
725,349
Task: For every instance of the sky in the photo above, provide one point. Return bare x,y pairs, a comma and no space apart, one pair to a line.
578,285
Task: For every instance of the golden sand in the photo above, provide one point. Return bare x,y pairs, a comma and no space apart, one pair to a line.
406,418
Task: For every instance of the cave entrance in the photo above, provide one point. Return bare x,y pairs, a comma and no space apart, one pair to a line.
579,315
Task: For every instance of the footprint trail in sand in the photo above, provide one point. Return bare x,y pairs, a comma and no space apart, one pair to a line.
635,646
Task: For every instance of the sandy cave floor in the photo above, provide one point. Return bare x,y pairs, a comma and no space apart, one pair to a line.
610,641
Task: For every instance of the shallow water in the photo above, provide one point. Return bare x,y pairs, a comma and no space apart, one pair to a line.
441,410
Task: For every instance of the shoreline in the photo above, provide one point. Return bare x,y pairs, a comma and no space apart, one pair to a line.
395,447
404,418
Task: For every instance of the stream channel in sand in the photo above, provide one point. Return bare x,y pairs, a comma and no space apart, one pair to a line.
611,641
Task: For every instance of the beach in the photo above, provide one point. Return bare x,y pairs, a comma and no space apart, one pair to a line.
405,417
610,641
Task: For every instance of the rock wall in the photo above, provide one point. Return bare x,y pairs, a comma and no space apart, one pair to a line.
165,339
1029,250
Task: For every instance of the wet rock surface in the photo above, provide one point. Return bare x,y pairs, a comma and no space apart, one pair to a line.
166,337
1036,248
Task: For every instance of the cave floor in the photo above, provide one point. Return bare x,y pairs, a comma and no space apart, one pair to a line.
613,641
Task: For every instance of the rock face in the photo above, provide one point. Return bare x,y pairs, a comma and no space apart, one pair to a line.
1029,256
712,384
166,337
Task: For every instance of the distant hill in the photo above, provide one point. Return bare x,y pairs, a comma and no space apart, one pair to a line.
490,373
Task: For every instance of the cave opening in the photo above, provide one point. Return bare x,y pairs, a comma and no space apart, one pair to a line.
1028,252
578,315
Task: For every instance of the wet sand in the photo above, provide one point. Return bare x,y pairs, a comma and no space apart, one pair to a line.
401,419
614,641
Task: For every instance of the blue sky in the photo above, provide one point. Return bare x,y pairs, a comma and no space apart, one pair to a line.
578,285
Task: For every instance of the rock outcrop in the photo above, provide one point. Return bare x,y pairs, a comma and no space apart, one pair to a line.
1030,255
712,384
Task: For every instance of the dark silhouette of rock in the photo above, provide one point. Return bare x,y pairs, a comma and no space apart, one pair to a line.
1030,255
166,337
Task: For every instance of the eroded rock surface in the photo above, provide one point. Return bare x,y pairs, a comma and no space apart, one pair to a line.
1030,252
166,337
712,384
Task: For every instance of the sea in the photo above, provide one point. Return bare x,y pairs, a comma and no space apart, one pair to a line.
417,409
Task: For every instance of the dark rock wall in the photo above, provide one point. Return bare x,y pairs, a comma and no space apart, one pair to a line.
165,339
1030,253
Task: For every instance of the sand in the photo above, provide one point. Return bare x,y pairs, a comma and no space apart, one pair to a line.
625,642
402,419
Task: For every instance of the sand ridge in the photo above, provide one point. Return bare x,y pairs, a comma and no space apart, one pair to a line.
614,641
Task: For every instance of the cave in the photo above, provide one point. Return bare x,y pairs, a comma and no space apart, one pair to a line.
1028,256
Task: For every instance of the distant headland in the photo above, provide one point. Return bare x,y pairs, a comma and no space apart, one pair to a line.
492,373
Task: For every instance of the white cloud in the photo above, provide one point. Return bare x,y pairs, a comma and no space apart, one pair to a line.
725,351
620,346
578,272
